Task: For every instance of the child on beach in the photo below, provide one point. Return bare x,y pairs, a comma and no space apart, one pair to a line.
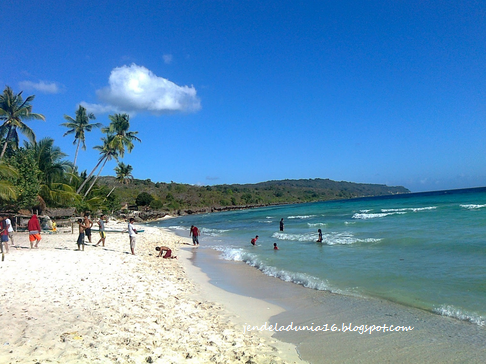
275,247
34,231
82,228
131,233
254,240
168,254
101,224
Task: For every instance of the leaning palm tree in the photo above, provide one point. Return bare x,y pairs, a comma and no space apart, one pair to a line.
14,109
122,139
124,173
118,139
107,153
79,126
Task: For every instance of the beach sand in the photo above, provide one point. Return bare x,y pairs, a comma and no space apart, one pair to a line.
104,305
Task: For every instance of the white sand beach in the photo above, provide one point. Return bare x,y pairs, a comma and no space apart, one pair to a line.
105,305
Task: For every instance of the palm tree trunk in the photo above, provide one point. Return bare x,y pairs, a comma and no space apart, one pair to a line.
92,184
75,159
113,189
87,178
5,144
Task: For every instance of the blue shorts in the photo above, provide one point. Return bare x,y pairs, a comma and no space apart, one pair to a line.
4,238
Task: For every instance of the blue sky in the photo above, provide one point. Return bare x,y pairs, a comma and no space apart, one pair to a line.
389,92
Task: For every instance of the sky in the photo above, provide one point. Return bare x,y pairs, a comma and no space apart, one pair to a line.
221,92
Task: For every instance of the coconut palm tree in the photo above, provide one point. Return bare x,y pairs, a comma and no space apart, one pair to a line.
7,189
79,126
107,153
124,173
13,110
49,160
118,139
121,138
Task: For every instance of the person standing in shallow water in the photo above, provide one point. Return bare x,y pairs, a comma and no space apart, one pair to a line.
194,232
281,224
254,240
319,239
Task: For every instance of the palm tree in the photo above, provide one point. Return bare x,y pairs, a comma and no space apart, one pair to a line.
118,139
49,160
124,173
121,138
79,127
13,109
107,153
7,189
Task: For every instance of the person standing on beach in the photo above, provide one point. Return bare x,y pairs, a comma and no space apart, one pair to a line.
34,231
10,230
281,224
88,223
131,233
82,229
254,240
3,234
194,232
101,224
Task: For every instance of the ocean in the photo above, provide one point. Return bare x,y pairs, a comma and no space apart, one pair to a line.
422,250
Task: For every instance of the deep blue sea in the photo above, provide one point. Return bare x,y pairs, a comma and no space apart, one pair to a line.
425,250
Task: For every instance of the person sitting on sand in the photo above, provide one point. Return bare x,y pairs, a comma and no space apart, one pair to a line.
167,250
254,240
275,247
82,229
319,239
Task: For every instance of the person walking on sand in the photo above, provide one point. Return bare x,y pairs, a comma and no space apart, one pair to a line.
101,224
34,231
82,229
281,224
131,233
254,240
3,234
194,232
167,250
89,225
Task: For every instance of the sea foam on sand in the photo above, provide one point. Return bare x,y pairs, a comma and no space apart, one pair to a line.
105,305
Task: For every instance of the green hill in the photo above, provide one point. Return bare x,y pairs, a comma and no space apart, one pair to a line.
183,198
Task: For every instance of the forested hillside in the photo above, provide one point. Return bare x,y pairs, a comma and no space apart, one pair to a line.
175,196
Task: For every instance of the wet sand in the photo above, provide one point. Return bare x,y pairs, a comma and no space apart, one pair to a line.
433,339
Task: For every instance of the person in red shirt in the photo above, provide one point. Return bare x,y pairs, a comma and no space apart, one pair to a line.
194,232
34,231
253,241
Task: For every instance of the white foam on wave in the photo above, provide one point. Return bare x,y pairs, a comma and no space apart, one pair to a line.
317,224
212,232
451,311
327,239
301,217
413,209
306,280
473,206
178,227
376,215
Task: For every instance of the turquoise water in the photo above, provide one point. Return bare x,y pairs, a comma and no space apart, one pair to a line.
424,250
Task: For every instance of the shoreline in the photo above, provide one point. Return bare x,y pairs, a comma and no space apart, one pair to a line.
434,338
104,305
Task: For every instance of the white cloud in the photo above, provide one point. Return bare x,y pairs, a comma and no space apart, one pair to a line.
135,88
167,58
42,86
